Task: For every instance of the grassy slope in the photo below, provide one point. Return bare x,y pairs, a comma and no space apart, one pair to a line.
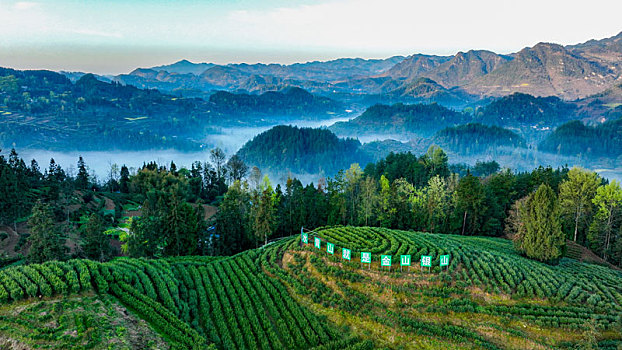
286,296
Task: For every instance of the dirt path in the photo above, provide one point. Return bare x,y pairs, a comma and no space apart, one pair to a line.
8,245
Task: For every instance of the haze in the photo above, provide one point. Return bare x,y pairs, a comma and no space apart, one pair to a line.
110,37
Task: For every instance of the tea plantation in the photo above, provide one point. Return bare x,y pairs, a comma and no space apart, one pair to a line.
289,295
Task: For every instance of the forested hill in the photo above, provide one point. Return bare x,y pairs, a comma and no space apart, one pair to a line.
44,109
291,101
301,150
477,138
575,138
415,119
525,110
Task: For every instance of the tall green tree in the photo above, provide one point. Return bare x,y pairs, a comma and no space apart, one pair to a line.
437,203
436,162
387,211
575,196
46,242
608,201
82,179
263,211
95,243
470,206
338,212
353,191
236,169
542,238
124,180
231,219
369,200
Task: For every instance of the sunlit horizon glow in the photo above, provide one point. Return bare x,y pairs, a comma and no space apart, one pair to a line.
112,37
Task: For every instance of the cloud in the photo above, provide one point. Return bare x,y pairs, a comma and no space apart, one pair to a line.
98,33
25,5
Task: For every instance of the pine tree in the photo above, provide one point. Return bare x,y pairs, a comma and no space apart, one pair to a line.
95,243
124,181
82,179
542,238
45,241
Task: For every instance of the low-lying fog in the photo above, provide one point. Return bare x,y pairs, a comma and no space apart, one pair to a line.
231,139
99,162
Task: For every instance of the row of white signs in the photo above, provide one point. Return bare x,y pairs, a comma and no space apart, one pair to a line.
385,260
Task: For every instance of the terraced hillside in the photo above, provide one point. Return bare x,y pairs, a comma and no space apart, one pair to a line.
289,295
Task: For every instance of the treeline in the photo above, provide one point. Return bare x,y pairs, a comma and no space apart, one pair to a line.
290,101
576,138
56,204
539,209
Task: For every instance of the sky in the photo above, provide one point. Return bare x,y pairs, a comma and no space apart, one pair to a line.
116,36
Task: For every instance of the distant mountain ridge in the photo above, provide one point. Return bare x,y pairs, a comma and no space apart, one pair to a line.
546,69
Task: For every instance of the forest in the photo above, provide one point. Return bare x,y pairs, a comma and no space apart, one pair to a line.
520,109
477,138
576,138
418,119
403,191
301,150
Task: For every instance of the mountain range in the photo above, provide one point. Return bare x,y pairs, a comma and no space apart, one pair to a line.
546,69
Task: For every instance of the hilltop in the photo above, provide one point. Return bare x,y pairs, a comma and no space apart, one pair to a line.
301,150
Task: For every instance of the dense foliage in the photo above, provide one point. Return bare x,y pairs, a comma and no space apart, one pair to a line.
289,102
414,119
541,236
576,138
301,150
477,138
526,110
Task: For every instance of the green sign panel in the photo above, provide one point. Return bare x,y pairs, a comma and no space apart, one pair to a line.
366,257
330,248
426,261
305,238
346,253
444,260
318,243
385,260
404,260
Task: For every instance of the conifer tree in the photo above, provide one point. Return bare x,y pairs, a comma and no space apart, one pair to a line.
95,243
82,179
45,241
124,181
542,238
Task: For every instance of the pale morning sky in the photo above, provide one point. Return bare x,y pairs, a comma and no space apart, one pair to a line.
116,36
